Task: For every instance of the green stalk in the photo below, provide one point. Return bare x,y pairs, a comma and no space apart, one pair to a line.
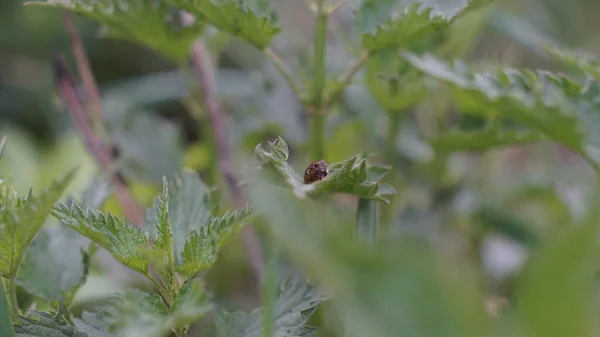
6,326
366,221
12,293
318,109
269,289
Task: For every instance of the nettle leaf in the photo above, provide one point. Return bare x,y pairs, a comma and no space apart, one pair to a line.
396,23
55,264
352,176
22,218
189,209
136,313
295,304
61,324
201,248
564,111
579,59
253,21
149,22
118,236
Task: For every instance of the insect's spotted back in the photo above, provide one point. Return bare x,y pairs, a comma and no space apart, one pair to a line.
315,171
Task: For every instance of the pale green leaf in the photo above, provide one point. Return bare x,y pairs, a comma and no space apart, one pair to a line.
201,248
149,22
579,59
397,23
253,21
561,109
296,302
22,218
556,294
6,327
42,324
118,236
350,176
55,264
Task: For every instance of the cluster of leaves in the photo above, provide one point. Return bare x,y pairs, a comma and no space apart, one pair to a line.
352,176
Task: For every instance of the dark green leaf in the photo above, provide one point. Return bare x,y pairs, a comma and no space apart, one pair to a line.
562,110
118,236
22,218
253,20
397,23
149,22
201,248
295,304
349,176
54,264
6,327
555,297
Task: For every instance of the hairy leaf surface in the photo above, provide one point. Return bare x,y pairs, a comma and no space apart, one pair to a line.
397,23
253,20
561,109
22,218
295,304
149,22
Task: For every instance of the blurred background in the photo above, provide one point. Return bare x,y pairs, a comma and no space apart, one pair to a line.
514,195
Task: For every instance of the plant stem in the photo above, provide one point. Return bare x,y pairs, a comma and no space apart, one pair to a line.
284,71
390,157
318,107
269,289
12,293
347,78
206,78
366,221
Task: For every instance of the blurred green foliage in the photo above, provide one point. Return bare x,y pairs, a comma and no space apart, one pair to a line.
489,208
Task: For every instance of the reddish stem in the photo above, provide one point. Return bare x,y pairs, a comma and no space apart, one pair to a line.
205,74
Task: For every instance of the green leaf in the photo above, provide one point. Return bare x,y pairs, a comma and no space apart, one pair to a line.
136,313
189,209
482,139
565,111
6,327
60,324
388,24
295,304
349,176
201,248
253,20
149,22
556,295
118,236
55,265
579,59
22,218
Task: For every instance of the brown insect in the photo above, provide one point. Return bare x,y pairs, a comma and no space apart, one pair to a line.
315,171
